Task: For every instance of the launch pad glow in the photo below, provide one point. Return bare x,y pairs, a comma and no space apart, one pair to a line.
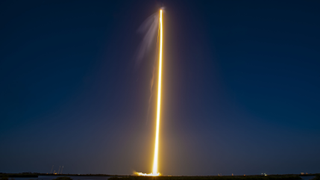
156,145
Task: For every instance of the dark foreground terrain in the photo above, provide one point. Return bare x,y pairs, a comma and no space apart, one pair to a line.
249,177
9,176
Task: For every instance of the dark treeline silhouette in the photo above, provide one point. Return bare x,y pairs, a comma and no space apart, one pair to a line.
6,176
248,177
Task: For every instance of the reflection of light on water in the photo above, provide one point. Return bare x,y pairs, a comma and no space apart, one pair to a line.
307,177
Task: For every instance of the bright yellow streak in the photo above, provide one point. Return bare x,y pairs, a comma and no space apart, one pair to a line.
156,146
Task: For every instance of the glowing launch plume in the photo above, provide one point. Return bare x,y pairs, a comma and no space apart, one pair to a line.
156,146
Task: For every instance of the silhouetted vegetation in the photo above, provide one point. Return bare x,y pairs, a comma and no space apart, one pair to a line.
317,177
63,178
24,174
273,177
4,178
35,175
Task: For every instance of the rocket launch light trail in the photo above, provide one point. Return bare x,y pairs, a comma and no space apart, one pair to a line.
156,146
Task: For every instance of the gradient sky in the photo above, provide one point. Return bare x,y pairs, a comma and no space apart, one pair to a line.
241,87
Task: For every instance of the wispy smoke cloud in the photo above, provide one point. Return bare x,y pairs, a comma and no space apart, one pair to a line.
149,28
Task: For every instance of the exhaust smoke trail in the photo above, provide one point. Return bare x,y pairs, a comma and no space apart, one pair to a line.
149,28
156,146
151,91
51,169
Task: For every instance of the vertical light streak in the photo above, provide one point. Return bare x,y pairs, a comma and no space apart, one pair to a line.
156,146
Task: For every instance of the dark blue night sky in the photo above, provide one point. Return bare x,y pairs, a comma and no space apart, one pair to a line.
240,93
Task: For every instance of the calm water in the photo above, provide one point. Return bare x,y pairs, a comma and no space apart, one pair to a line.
307,177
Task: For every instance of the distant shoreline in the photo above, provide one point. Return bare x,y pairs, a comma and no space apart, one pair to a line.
26,175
